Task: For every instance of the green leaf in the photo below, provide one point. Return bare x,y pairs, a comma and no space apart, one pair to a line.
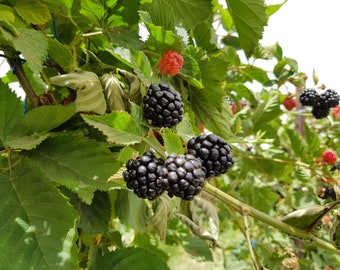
93,9
45,118
197,248
266,111
33,11
308,218
191,12
94,218
184,129
271,9
138,115
122,259
298,145
36,221
163,39
254,73
285,68
127,204
90,96
172,142
162,212
135,87
250,18
218,121
25,142
312,140
334,231
33,46
161,14
118,127
80,164
11,109
60,54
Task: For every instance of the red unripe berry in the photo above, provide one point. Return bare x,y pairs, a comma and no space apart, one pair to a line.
329,156
243,102
289,103
234,108
336,112
171,63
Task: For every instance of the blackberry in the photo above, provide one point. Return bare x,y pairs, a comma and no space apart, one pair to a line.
309,97
326,192
183,176
142,176
320,111
215,154
330,98
163,105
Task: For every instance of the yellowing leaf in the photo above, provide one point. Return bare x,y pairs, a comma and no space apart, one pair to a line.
113,92
90,96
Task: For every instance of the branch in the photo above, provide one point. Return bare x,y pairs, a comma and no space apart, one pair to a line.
243,208
26,85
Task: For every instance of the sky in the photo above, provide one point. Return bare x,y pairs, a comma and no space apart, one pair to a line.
308,31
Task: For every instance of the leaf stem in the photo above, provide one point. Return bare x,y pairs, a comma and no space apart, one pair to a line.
243,208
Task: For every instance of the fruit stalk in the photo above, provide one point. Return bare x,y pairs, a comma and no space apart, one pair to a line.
243,208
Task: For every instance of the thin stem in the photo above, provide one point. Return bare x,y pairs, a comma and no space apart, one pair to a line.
244,208
10,162
26,85
250,247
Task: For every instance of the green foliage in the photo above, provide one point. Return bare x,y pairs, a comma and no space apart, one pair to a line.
85,67
34,215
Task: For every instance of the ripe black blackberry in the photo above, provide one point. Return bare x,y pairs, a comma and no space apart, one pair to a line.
215,154
326,192
330,98
163,105
309,97
319,111
183,176
142,176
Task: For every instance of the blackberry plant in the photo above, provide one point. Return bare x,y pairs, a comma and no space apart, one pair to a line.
183,176
215,154
163,105
142,176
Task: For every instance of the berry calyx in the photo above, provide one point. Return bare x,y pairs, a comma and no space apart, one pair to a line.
171,63
215,154
163,105
289,103
183,176
142,176
329,157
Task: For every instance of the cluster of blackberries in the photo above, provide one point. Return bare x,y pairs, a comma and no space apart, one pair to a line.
321,104
163,105
181,175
